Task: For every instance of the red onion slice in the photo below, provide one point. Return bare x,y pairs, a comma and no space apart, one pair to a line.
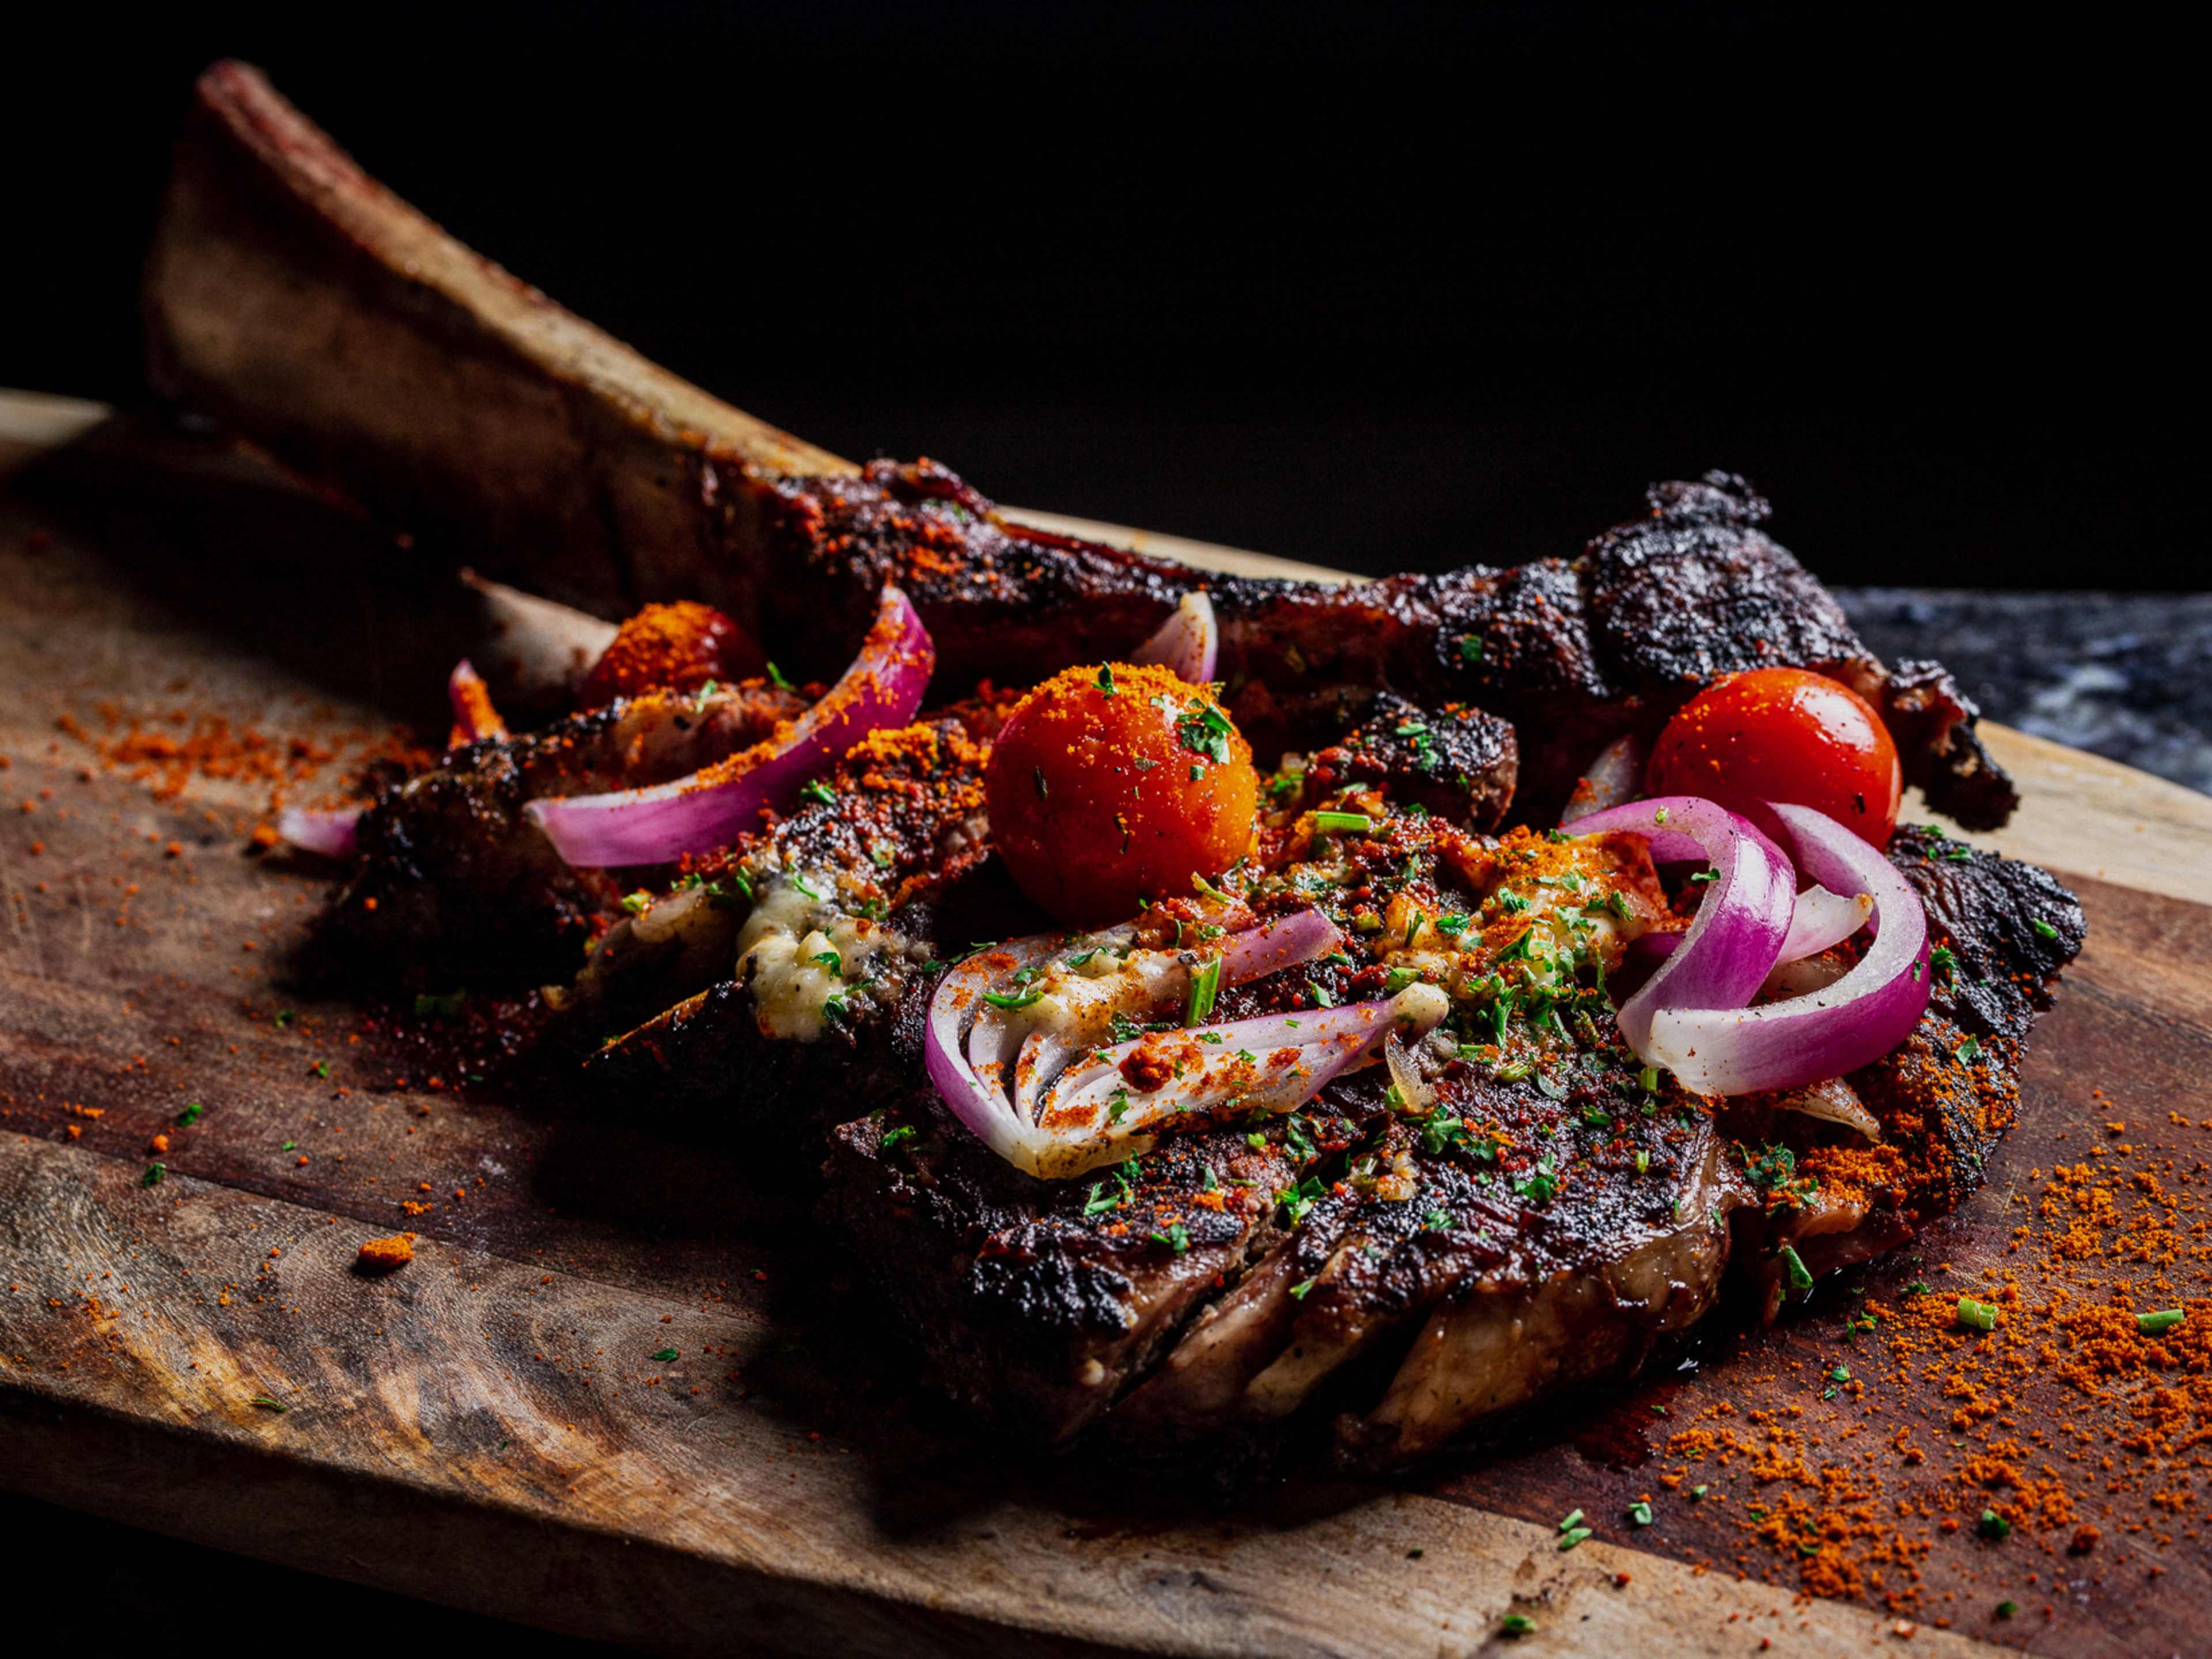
1824,1033
1821,919
330,832
1615,777
708,809
971,1040
1274,1063
1189,640
1732,944
473,715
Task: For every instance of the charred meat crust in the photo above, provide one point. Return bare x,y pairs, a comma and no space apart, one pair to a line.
2003,930
1573,653
1454,762
1037,1303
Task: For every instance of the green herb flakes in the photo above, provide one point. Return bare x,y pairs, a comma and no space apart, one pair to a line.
1801,1277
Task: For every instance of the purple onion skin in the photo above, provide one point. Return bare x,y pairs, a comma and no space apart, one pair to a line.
883,688
1733,943
1827,1033
1189,642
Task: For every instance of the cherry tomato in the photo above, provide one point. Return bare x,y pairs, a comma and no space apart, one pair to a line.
1107,785
1783,734
668,647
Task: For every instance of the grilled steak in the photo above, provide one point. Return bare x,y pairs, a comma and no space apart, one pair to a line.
569,463
1474,1270
1517,1206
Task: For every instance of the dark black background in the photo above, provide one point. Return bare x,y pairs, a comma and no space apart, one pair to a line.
1385,287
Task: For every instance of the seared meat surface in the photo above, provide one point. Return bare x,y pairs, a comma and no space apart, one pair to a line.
1573,653
1418,1271
1456,761
457,884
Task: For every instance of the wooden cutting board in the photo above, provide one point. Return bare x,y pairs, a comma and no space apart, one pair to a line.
496,1426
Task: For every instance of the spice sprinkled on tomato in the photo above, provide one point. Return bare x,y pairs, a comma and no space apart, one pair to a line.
1112,784
1783,734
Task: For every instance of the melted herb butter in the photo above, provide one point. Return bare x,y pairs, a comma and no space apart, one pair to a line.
809,962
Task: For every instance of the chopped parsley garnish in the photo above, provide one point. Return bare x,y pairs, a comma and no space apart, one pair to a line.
1013,998
1993,1526
1298,1291
730,890
1451,924
775,678
663,1356
1944,961
1968,1052
2042,929
1341,823
1572,1536
1511,901
1436,1220
1801,1277
266,1404
1097,1206
1205,731
1105,680
1639,1513
1397,979
831,960
190,1114
1177,1238
904,1132
1205,986
154,1174
1301,1198
1470,648
800,882
637,904
1540,1184
1117,1105
320,1068
820,792
1513,1623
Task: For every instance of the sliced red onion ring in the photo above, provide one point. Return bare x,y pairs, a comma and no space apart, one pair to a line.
1825,1033
1274,1063
972,1040
708,809
1615,777
330,832
1732,945
473,715
1189,640
1820,919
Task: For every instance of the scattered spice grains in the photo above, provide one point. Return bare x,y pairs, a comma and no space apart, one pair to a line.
2026,1410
